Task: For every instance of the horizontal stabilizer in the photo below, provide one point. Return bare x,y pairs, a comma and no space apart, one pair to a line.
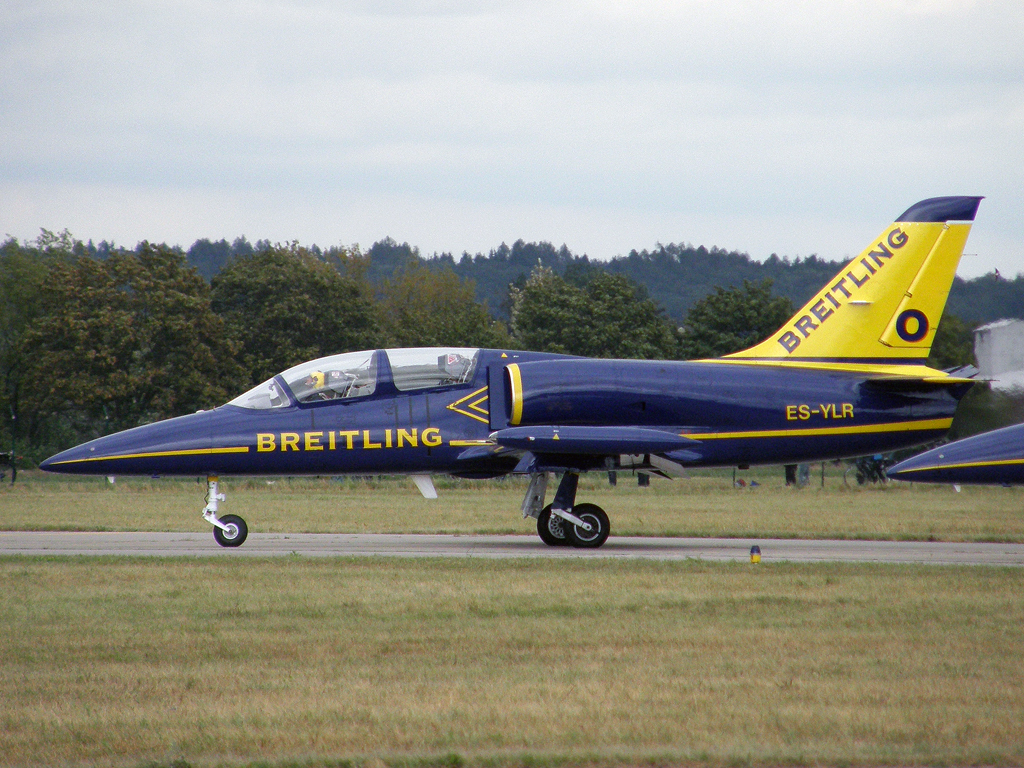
963,372
896,383
590,440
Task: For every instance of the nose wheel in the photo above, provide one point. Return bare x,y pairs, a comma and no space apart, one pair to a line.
233,533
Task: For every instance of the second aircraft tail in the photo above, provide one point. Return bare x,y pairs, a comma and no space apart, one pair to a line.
884,305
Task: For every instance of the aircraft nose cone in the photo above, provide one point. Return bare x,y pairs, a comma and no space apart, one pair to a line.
939,465
49,465
905,468
991,457
166,447
64,461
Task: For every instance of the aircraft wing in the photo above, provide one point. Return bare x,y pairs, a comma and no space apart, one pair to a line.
964,375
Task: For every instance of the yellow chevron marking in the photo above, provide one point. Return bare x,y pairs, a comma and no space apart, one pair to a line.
475,405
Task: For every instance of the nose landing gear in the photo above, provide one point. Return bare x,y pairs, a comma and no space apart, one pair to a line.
228,531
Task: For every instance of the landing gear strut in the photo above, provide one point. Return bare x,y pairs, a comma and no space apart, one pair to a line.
563,522
228,531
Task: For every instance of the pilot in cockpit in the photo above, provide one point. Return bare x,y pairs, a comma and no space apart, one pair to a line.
328,385
316,387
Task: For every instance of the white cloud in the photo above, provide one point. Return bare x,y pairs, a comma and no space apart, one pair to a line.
795,127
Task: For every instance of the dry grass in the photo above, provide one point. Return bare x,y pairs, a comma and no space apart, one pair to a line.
705,505
122,661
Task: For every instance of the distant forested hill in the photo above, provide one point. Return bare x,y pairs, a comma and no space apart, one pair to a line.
673,275
678,275
987,298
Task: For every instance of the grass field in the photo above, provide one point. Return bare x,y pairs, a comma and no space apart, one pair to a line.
388,662
398,662
706,505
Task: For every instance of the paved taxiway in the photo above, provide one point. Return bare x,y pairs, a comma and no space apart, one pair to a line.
414,545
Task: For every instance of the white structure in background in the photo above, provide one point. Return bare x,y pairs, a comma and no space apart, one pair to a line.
999,348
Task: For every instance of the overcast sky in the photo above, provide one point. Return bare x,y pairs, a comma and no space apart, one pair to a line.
786,127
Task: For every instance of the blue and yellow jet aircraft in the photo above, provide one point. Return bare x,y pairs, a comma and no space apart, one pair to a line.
991,458
845,376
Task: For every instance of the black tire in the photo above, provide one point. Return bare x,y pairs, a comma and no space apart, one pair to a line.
600,527
551,529
236,533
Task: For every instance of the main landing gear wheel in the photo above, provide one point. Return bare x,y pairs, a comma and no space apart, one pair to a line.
551,528
235,534
599,527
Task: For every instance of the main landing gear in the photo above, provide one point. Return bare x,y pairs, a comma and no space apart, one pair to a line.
229,530
564,522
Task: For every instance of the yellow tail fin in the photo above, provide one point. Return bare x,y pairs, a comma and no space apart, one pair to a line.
882,307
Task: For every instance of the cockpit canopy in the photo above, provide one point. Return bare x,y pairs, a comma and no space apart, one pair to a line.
359,374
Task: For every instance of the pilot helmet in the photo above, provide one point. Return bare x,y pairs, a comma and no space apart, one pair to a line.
317,379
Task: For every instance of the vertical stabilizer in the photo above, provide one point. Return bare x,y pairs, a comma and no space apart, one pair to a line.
884,305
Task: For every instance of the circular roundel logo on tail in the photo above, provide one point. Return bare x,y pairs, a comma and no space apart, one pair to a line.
912,325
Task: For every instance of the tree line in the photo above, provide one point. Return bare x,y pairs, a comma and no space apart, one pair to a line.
94,339
675,275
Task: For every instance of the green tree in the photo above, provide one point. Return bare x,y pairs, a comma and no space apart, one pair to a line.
23,271
731,319
953,344
284,304
609,317
127,340
426,308
983,409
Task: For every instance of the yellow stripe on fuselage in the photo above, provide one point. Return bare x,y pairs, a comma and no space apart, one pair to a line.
967,465
161,454
907,371
863,429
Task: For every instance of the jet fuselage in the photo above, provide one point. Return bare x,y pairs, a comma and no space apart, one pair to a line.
720,413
